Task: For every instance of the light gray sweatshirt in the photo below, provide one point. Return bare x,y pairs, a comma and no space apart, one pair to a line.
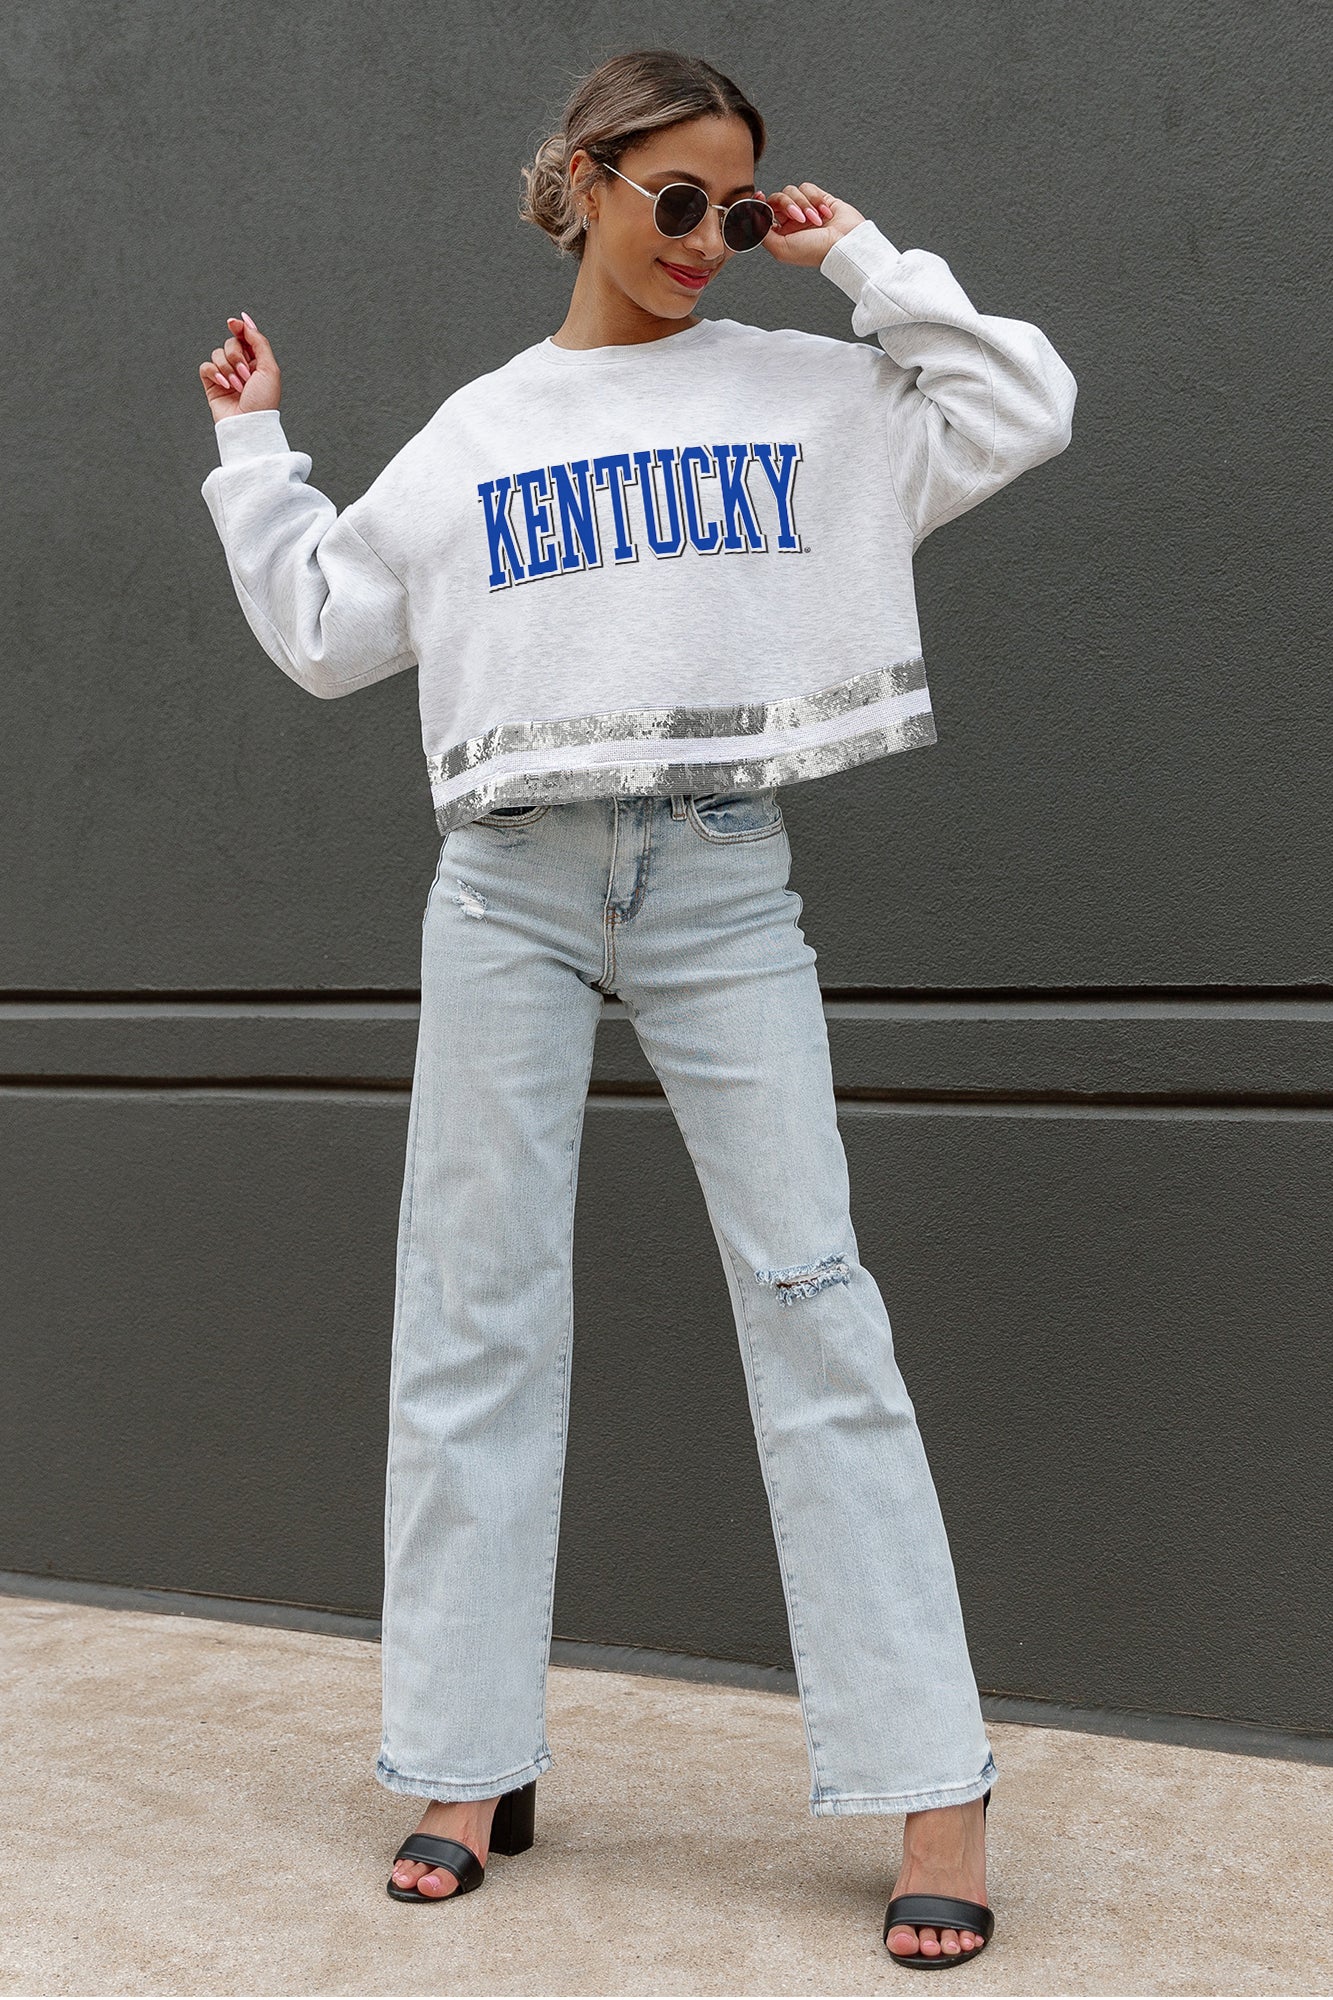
678,566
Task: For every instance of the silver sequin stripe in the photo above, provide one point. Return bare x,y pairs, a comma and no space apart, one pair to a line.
757,718
787,767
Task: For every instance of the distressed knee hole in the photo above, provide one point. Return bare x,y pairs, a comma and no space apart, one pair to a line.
802,1281
470,901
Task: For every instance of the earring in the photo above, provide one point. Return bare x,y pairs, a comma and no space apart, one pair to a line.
585,222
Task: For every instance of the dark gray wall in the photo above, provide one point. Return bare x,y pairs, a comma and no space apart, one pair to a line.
1079,955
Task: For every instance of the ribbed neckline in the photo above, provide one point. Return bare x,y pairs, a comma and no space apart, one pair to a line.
633,354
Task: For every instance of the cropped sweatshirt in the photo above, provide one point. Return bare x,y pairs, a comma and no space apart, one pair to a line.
678,566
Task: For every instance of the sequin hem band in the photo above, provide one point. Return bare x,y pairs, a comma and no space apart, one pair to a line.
657,780
635,725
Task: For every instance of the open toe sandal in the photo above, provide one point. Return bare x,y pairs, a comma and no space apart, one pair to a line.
511,1833
941,1913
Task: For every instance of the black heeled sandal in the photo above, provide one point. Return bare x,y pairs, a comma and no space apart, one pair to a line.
511,1833
941,1913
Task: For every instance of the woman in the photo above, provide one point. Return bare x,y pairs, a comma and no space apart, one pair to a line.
650,568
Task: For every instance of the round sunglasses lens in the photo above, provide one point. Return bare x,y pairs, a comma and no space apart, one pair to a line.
747,223
680,208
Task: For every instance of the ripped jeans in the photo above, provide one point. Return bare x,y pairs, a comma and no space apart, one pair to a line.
680,907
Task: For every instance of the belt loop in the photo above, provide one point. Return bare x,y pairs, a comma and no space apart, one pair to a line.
678,805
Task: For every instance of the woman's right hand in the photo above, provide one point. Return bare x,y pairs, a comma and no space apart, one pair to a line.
242,374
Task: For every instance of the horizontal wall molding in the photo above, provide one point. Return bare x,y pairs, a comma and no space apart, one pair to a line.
1201,1732
1234,1051
607,1098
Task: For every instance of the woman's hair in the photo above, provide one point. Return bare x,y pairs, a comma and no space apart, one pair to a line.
616,105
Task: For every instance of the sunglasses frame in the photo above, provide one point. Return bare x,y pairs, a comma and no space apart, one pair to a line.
724,211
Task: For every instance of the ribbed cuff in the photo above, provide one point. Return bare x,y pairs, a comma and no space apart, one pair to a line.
863,253
250,434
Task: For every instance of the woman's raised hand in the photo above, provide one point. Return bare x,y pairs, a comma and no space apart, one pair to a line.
243,374
808,222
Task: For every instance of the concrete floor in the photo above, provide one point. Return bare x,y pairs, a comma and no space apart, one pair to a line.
190,1809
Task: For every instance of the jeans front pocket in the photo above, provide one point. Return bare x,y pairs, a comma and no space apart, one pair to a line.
725,817
514,815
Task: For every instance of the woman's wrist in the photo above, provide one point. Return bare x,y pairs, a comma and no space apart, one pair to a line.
249,434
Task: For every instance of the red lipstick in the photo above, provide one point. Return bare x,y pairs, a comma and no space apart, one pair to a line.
686,275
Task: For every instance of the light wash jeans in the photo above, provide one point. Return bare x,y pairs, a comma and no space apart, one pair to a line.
679,906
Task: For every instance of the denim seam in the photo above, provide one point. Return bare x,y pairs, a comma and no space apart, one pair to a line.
386,1642
923,1798
607,982
640,889
429,1787
561,1425
403,1263
641,875
400,1293
945,1785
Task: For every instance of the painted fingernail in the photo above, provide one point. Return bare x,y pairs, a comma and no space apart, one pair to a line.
237,385
249,322
242,371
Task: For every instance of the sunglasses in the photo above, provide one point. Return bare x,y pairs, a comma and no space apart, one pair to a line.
681,207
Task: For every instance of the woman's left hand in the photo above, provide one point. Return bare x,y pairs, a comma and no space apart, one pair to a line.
808,223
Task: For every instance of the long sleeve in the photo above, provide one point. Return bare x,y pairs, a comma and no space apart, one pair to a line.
973,399
322,603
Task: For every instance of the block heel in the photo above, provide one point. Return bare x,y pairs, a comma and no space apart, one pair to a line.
512,1832
513,1828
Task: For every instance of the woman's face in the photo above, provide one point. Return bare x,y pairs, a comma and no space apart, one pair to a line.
666,275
